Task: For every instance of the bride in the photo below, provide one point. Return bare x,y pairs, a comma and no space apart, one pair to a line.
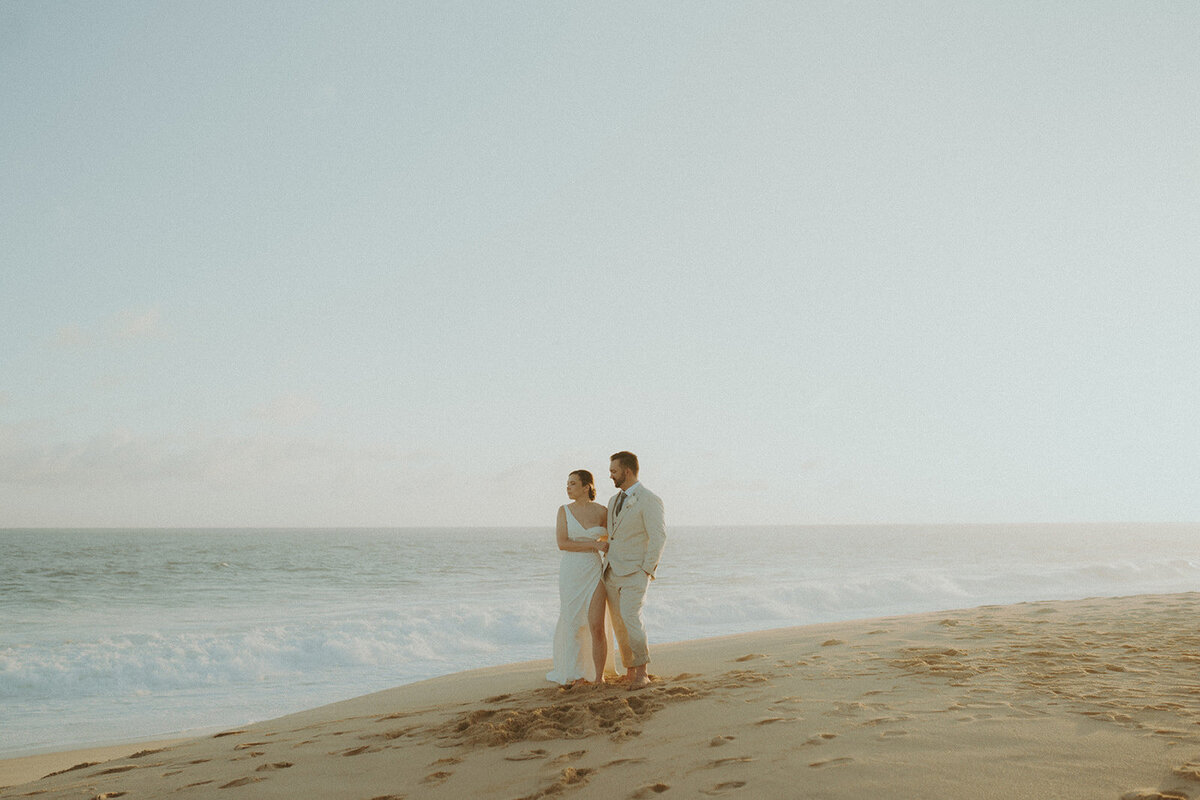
583,538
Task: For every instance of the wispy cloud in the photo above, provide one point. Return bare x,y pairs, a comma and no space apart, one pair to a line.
125,458
70,337
109,381
287,410
129,325
128,478
125,326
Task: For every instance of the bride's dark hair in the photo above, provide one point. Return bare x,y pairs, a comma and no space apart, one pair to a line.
588,482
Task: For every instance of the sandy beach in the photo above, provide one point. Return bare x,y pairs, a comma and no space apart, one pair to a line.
1083,699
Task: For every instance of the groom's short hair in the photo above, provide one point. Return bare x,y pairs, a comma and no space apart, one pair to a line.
626,459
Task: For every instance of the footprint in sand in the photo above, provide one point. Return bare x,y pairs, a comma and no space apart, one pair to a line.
649,791
358,751
724,762
528,755
1169,732
109,795
874,723
395,733
833,762
572,756
397,715
116,770
751,657
144,753
820,738
84,765
719,741
722,788
841,709
251,754
570,778
1154,794
436,778
275,766
240,782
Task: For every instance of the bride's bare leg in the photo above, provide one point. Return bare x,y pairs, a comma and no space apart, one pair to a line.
596,625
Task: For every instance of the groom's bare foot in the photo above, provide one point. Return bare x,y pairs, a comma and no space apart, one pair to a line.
639,683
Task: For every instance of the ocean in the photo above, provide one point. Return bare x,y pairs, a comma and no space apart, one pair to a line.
118,635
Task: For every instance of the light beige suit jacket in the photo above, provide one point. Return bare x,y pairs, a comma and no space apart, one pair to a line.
637,535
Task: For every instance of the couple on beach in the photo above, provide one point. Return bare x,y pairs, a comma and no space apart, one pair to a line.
609,558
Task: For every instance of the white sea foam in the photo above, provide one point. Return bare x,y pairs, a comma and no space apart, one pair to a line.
168,642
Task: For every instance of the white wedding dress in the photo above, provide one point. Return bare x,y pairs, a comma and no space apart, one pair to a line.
578,576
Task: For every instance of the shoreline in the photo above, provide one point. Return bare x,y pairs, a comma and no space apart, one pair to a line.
1079,698
103,667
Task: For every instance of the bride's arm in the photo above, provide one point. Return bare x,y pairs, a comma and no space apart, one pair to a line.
602,542
566,543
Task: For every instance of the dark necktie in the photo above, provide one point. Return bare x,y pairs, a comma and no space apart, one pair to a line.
620,503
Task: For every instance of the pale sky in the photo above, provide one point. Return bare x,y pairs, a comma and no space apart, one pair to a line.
410,263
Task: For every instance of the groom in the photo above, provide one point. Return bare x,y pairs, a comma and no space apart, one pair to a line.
637,534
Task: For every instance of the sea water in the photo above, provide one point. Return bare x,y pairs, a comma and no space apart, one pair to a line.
114,635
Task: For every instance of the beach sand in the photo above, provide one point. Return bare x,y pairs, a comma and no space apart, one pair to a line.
1084,699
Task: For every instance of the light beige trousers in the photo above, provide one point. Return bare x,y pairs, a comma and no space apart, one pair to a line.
626,594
